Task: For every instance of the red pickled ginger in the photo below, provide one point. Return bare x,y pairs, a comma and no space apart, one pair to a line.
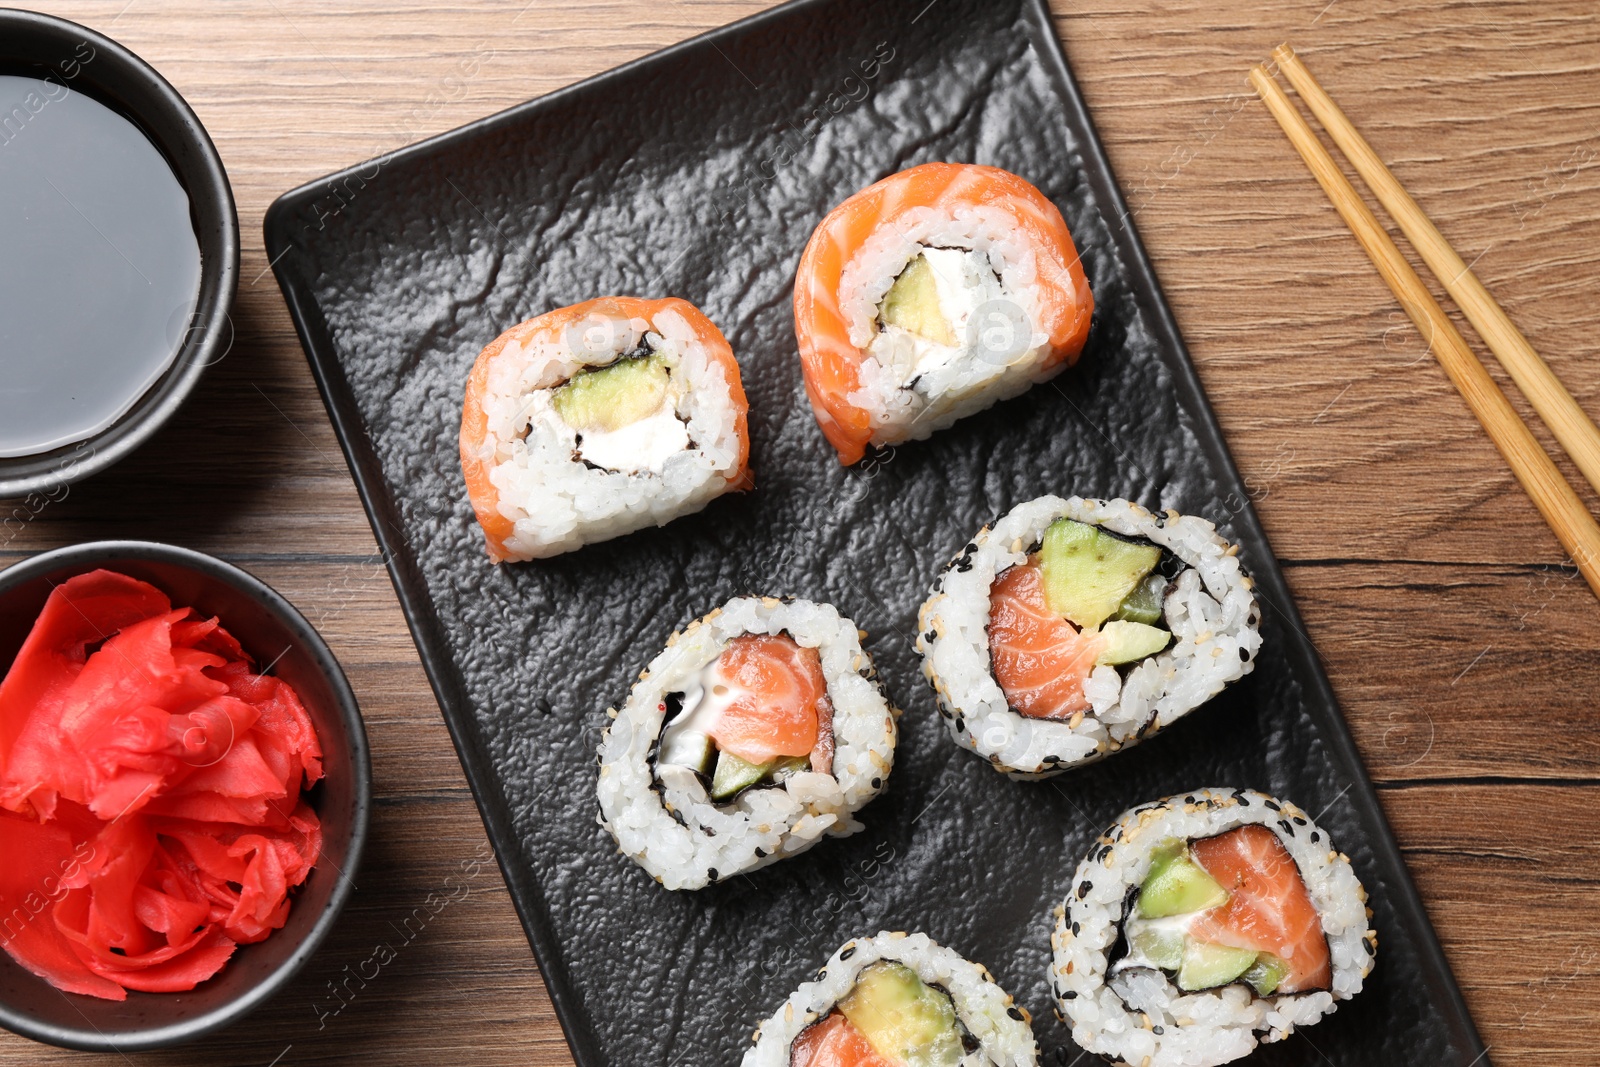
151,816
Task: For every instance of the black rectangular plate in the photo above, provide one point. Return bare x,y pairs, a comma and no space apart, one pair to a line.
699,172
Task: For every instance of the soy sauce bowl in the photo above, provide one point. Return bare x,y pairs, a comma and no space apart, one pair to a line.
81,60
273,632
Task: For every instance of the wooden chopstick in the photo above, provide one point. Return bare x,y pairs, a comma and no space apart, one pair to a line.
1574,527
1555,405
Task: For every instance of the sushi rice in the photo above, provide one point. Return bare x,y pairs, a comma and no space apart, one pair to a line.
1210,610
1002,1028
672,828
1140,1017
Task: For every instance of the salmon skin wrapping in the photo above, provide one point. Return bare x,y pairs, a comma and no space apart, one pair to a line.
929,296
661,811
1141,1016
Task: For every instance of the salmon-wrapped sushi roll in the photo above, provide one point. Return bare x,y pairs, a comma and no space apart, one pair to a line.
931,295
1205,924
599,419
759,730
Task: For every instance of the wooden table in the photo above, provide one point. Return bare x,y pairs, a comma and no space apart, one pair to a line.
1466,656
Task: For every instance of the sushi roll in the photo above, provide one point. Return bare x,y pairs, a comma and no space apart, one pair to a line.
1202,925
599,419
929,296
1074,628
758,730
897,1000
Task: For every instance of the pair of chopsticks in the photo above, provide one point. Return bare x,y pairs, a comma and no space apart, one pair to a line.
1566,515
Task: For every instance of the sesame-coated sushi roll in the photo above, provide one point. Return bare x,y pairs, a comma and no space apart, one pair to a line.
758,730
929,296
1202,925
599,419
1072,629
897,1000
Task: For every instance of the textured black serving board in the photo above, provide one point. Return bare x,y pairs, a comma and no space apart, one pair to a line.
700,172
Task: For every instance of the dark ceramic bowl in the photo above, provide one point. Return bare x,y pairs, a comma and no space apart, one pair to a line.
272,631
42,46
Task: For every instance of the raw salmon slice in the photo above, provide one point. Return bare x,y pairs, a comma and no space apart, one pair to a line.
833,1042
785,711
1269,909
1040,659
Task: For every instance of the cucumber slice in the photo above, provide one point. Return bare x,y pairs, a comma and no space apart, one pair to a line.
1144,604
1129,641
1088,573
905,1020
1161,946
1266,974
1177,885
734,774
1208,966
606,399
912,304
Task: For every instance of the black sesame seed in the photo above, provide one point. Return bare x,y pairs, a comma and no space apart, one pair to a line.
1014,1013
1315,837
822,972
931,636
711,873
1288,827
847,952
876,782
1273,805
761,853
1299,821
1083,889
1069,994
1074,929
1158,1030
1244,655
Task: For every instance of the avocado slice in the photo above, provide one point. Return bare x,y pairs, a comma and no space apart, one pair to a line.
1208,966
1266,974
1128,641
1177,885
1144,604
608,398
912,304
1088,573
734,774
905,1020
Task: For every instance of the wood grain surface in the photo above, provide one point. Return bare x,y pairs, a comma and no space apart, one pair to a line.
1465,653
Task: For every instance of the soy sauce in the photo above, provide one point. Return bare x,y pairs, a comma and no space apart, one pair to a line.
99,265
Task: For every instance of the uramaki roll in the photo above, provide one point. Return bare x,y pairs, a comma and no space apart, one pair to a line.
1072,629
760,729
897,1000
1202,925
